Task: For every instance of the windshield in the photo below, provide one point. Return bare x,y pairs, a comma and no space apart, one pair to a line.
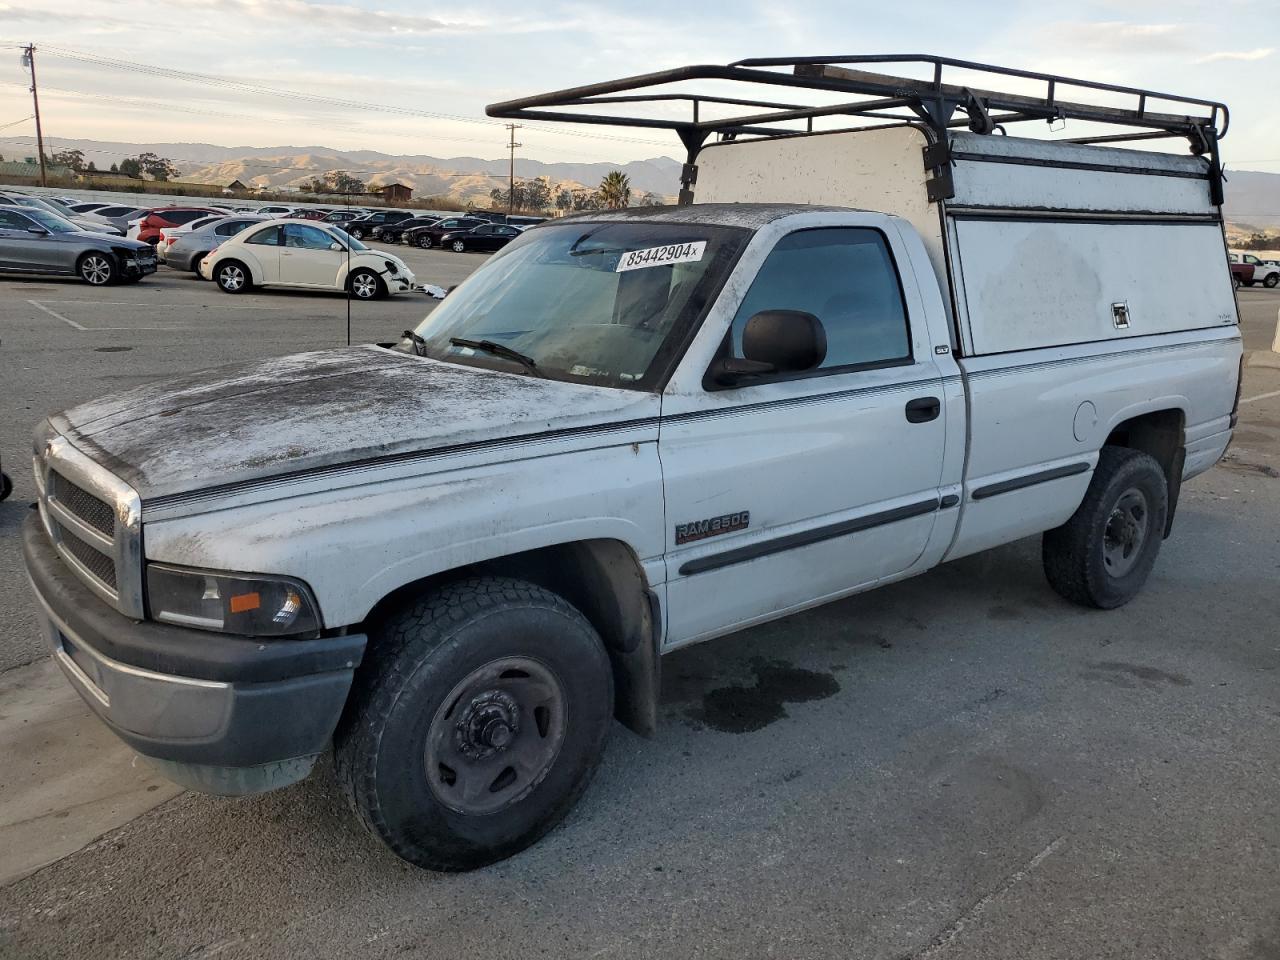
603,303
51,221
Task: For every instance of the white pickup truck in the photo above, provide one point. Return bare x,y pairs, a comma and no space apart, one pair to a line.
454,559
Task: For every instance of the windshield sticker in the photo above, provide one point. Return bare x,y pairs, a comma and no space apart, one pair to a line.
662,256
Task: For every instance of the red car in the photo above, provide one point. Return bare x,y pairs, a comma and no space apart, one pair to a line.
147,229
1241,273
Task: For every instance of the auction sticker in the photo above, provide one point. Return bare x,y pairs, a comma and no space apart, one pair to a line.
662,256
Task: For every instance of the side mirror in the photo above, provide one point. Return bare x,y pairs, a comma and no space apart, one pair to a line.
775,341
336,246
38,231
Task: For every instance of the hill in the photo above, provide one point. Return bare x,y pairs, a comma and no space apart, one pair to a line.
458,178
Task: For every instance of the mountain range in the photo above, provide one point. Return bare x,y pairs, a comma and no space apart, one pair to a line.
457,178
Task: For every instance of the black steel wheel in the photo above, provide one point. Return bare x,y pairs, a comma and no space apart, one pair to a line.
478,718
1102,556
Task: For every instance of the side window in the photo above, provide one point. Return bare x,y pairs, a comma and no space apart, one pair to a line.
845,277
270,237
1233,258
179,217
308,238
1249,258
484,230
13,221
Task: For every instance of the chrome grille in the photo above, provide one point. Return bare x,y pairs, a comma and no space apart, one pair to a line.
98,564
93,518
82,503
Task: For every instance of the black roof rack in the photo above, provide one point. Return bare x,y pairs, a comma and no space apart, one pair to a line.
881,98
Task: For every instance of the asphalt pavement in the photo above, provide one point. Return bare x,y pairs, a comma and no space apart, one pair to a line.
958,766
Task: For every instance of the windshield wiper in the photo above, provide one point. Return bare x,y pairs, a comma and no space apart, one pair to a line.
498,350
419,343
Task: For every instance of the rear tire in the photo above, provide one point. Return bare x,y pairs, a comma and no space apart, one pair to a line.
1271,281
194,265
6,486
478,720
424,242
1102,556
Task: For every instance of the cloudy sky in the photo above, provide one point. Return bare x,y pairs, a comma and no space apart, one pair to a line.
412,77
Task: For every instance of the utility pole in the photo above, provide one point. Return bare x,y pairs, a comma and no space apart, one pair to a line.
29,60
511,179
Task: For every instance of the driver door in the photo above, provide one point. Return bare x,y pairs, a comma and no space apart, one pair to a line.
16,244
308,258
265,247
791,489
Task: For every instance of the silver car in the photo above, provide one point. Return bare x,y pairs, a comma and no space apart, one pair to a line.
97,224
188,249
119,215
32,240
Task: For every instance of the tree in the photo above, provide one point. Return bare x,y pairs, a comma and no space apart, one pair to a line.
69,158
115,168
651,199
339,181
317,185
537,194
587,200
564,200
90,168
158,168
615,190
130,167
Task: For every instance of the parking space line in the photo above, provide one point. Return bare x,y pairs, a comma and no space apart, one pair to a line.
1261,396
53,313
131,303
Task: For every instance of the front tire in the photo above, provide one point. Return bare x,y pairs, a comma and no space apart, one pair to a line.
356,233
481,715
1102,556
232,277
97,269
1271,281
6,486
458,246
424,242
366,285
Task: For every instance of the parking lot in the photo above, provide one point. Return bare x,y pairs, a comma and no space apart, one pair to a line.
961,765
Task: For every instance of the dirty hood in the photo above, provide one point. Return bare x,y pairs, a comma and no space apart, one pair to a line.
308,411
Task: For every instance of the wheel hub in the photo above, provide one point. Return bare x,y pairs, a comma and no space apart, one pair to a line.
487,725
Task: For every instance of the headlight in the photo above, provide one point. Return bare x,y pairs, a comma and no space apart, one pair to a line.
250,605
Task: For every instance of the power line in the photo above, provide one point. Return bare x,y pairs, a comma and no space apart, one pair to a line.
14,123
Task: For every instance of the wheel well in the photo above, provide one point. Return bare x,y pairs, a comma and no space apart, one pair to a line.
605,581
1161,434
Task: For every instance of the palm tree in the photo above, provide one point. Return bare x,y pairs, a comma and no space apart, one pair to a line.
615,190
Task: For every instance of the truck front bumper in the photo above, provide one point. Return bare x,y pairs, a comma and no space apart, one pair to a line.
218,713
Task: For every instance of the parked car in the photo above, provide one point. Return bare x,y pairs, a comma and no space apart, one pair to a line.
392,232
170,234
364,226
88,207
486,237
304,253
429,235
120,215
79,221
310,214
33,240
453,562
1264,273
148,226
1241,273
89,221
275,210
187,249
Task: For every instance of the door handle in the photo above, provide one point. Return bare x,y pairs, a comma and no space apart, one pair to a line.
923,409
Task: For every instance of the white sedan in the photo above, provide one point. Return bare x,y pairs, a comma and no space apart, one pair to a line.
309,254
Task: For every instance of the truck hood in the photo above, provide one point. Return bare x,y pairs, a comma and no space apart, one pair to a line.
308,411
